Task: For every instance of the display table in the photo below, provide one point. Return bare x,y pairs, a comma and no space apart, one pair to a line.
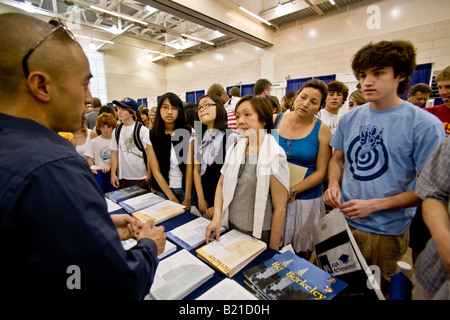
218,276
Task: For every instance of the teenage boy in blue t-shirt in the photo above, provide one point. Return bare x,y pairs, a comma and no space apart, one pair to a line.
384,144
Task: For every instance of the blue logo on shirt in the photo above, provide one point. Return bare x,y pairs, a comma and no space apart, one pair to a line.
367,154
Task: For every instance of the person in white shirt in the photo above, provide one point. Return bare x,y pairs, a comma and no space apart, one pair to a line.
337,95
98,152
129,164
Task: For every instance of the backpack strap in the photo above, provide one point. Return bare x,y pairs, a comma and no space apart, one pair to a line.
118,128
137,140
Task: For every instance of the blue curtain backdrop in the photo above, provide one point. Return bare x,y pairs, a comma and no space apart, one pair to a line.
142,101
296,84
193,96
422,73
247,89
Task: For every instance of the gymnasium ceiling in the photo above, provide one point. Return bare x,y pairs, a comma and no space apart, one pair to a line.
169,26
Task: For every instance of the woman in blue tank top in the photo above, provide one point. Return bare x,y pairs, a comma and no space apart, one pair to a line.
305,139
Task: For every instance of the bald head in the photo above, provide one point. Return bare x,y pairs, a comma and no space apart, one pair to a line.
52,56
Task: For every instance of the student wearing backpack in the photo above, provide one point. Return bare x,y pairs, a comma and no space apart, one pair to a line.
129,148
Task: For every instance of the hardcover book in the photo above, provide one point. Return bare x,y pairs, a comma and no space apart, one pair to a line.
178,275
289,277
140,202
125,193
159,212
191,234
232,253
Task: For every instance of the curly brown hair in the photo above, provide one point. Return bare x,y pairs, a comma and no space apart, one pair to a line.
399,54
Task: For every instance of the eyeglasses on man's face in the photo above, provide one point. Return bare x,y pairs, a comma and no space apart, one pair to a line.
58,25
205,106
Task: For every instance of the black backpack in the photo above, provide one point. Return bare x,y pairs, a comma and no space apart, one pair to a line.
136,138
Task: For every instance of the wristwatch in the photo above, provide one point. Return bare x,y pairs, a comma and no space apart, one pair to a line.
294,192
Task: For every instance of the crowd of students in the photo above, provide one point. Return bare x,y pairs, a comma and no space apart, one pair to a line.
364,162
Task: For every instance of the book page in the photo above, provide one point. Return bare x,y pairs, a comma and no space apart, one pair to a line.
190,234
178,275
232,252
227,289
160,212
112,206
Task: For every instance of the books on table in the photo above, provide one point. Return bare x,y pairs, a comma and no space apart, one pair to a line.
289,277
125,193
191,234
169,248
140,202
111,205
159,212
227,289
232,253
178,275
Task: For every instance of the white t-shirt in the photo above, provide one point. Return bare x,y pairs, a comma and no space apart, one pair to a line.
99,150
330,119
175,174
131,164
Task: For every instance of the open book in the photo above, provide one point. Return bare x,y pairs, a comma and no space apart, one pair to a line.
232,253
159,212
191,234
177,276
227,289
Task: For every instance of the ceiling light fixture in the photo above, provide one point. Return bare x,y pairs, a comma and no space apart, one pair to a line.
255,16
118,15
160,53
197,39
95,39
332,2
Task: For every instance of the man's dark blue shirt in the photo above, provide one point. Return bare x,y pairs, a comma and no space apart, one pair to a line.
54,220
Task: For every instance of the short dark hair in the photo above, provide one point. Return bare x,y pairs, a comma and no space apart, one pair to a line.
316,84
420,87
337,86
262,107
261,85
399,54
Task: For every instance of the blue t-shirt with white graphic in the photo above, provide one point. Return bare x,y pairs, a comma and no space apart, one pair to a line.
384,151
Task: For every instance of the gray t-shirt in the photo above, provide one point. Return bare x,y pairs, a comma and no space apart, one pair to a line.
242,207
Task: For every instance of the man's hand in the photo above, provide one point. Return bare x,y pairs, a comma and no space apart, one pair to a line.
115,181
157,234
127,226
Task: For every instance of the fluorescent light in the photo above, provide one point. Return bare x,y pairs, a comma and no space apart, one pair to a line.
197,39
255,16
332,2
160,53
95,39
118,15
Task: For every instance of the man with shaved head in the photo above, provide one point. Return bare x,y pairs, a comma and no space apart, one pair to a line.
58,240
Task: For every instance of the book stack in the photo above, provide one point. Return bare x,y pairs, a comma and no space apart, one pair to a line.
125,193
289,277
190,235
177,276
232,253
141,202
